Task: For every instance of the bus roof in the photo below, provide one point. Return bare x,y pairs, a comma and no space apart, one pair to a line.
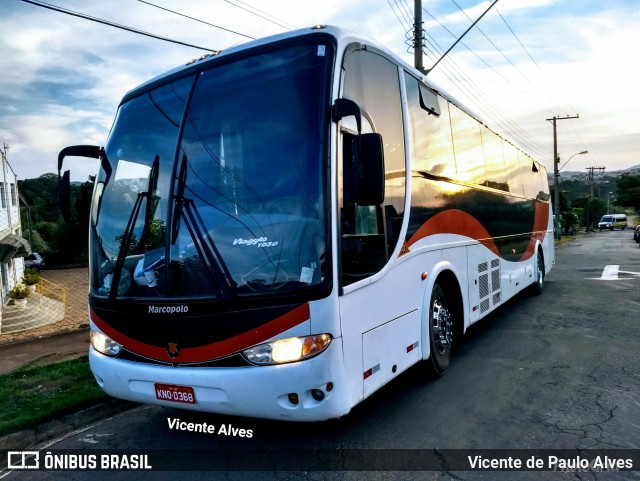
342,36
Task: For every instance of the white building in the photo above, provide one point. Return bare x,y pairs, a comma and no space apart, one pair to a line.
13,247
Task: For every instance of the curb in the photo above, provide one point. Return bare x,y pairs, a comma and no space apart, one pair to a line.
65,424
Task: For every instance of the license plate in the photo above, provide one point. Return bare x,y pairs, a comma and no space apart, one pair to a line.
177,394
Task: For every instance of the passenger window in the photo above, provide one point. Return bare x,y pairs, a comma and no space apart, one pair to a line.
430,135
494,160
512,165
529,180
467,145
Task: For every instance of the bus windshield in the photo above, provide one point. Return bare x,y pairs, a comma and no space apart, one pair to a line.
218,183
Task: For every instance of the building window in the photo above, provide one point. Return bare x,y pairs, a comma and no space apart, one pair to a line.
4,201
13,194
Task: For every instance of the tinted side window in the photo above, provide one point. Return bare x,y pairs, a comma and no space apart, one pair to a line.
512,166
467,145
529,178
430,135
494,160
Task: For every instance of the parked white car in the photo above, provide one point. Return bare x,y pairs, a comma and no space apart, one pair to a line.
34,261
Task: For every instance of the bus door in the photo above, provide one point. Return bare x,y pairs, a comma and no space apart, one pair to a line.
380,322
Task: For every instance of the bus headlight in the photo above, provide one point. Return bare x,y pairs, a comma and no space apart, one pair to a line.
287,350
104,344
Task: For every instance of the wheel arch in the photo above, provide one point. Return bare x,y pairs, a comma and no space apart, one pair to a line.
537,286
451,285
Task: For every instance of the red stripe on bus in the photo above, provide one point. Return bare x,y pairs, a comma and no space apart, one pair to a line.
454,221
210,351
540,224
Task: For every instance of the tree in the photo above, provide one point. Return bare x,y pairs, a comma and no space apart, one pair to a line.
597,209
63,243
38,244
565,203
628,191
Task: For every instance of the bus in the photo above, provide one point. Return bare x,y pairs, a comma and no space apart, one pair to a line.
280,229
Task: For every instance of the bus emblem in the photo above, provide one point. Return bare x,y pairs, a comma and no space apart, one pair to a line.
173,350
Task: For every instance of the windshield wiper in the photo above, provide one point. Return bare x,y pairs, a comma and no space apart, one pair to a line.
187,211
127,235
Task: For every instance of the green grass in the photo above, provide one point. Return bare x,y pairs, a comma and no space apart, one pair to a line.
36,394
564,240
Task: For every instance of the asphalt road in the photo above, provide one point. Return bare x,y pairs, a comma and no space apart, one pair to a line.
558,371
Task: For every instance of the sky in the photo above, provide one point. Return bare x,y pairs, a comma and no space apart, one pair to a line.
526,61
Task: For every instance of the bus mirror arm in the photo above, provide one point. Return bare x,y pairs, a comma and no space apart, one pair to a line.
345,108
64,187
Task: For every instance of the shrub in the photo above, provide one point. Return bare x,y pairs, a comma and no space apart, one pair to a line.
31,277
19,291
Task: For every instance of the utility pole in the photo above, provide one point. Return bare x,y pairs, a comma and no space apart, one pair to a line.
590,179
417,36
556,174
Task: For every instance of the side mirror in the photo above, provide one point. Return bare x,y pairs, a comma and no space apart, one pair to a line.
64,186
370,189
64,196
367,150
91,151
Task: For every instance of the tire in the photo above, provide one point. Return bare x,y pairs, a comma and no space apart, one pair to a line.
440,326
538,286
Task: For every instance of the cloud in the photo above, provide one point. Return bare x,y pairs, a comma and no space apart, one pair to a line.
63,77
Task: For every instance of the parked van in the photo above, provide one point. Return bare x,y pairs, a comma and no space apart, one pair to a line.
613,221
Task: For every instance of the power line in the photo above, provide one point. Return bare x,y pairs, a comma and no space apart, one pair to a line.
403,14
467,47
494,45
506,58
473,93
261,16
479,101
576,136
517,38
397,16
112,24
460,38
477,96
406,11
195,19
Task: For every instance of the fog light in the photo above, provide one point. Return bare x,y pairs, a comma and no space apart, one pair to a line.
293,398
317,394
104,344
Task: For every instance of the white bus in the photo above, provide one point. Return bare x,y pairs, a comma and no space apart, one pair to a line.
280,229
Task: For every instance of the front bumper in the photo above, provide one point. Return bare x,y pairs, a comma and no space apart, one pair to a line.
260,391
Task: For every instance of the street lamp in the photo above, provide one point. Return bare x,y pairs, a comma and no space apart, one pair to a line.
556,187
579,153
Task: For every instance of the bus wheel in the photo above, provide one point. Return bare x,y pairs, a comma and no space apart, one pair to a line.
538,285
440,331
